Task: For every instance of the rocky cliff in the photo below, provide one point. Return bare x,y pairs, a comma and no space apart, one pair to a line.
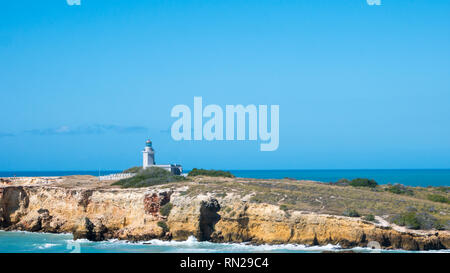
135,214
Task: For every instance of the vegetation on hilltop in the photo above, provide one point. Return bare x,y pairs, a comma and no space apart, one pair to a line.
399,189
445,189
363,182
438,198
133,170
357,182
149,177
214,173
370,217
351,213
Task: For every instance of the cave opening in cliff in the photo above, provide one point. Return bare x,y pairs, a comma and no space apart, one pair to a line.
208,219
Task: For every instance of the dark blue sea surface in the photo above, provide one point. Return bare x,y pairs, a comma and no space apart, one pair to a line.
419,177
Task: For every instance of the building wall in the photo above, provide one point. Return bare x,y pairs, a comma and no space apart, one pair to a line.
148,158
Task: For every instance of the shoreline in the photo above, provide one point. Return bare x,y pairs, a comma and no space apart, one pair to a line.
187,246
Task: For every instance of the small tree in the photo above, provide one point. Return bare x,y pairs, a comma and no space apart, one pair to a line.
351,213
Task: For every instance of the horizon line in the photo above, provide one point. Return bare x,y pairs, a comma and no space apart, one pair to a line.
326,169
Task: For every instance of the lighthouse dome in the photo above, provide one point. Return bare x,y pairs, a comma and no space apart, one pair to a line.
148,143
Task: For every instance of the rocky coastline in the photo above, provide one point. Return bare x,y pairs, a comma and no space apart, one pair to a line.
96,212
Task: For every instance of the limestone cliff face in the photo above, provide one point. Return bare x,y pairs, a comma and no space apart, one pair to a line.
91,214
135,215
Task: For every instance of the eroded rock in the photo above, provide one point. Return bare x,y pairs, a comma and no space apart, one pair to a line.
208,219
154,201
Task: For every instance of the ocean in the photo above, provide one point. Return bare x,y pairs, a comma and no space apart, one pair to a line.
410,177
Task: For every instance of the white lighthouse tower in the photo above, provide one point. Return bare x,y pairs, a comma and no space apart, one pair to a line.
148,155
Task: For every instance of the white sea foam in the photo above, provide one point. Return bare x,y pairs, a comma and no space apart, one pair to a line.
193,245
46,246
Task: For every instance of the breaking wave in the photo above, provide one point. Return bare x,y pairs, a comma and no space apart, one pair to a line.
192,245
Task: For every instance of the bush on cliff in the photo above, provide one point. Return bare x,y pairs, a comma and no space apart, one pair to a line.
215,173
357,182
417,220
351,213
438,198
399,189
363,182
165,210
445,189
133,170
163,225
342,182
149,177
369,217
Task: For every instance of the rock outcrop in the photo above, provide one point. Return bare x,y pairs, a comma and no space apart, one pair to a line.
134,214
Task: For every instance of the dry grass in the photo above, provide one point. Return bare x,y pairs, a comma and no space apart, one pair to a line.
325,198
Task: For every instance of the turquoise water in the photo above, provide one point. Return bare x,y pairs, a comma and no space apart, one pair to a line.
23,242
422,178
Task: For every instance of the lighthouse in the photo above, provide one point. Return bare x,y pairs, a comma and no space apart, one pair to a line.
148,155
149,160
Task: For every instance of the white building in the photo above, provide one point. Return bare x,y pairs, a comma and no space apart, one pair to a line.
148,160
149,155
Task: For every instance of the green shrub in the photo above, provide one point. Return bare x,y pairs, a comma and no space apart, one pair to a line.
445,189
351,213
369,217
399,189
165,210
343,182
256,199
438,198
415,220
149,177
133,170
446,224
408,219
163,225
363,182
215,173
283,207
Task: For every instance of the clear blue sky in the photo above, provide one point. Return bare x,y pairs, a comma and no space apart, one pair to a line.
81,87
